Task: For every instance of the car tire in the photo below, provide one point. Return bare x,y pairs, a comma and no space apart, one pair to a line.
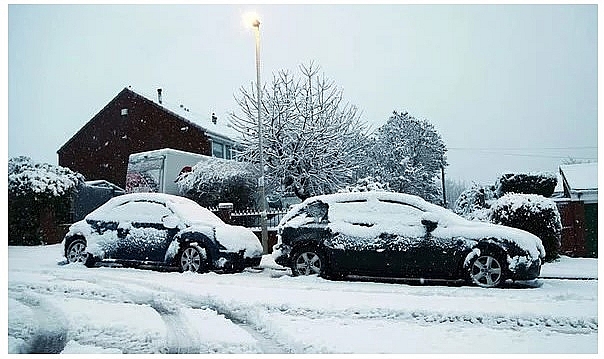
76,252
487,271
193,259
308,261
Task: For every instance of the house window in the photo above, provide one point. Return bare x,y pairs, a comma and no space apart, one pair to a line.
217,149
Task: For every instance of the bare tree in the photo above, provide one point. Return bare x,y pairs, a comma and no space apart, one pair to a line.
310,135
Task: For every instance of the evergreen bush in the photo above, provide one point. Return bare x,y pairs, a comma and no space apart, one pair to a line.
532,213
220,181
541,183
38,191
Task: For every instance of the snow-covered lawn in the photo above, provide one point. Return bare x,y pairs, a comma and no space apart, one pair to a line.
74,309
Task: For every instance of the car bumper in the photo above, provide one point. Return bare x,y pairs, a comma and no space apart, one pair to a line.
235,261
281,254
528,270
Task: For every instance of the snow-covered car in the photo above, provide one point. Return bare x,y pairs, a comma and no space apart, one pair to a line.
387,234
160,230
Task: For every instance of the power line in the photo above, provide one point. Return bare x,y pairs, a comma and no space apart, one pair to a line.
521,148
533,155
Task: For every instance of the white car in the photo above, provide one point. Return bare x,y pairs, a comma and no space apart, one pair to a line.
160,230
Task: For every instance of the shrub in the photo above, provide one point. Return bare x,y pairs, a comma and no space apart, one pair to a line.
220,181
475,202
38,192
532,213
367,184
542,183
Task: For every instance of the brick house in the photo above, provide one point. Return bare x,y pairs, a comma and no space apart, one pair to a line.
131,123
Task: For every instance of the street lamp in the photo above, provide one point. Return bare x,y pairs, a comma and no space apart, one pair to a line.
253,20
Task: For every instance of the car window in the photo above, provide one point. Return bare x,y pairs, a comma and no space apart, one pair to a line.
138,211
371,213
194,213
399,213
317,211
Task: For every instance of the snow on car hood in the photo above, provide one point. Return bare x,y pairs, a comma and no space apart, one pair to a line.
479,230
233,238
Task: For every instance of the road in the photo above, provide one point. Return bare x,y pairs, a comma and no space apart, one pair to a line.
58,308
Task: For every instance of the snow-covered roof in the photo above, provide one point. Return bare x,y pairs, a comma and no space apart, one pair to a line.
582,176
221,129
580,181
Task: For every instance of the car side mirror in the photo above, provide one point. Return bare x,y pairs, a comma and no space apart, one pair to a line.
170,221
430,224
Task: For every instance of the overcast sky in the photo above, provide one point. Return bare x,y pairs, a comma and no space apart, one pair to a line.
508,87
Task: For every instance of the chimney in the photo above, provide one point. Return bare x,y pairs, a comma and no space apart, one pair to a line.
214,118
159,96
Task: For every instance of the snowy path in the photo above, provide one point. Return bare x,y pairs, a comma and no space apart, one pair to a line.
72,309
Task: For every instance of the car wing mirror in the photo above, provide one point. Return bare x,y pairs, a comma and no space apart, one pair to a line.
170,221
429,224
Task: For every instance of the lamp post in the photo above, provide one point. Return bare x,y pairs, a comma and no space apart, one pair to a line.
256,26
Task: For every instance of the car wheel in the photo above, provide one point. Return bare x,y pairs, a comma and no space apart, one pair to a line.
76,252
193,259
486,271
307,262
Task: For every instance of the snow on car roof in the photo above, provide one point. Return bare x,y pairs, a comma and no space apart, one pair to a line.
411,200
184,207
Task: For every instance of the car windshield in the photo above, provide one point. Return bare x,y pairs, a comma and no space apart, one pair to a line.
191,212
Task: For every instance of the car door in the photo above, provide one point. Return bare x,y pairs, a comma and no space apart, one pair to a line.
141,235
403,235
358,243
439,254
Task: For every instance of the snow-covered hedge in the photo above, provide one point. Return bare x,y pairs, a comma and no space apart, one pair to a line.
532,213
35,191
220,181
41,179
542,183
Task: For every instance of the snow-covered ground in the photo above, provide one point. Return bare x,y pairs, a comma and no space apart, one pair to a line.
60,308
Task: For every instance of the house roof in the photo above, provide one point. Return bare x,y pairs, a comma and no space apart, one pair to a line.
221,129
582,176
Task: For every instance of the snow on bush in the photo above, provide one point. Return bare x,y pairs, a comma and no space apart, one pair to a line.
542,183
41,179
38,192
532,213
475,203
367,184
220,181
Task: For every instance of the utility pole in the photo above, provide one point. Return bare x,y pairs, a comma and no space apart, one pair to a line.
442,177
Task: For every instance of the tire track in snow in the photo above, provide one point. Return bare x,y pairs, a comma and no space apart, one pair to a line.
256,320
180,337
564,325
242,317
50,335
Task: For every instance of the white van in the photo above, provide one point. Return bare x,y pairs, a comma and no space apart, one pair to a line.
157,170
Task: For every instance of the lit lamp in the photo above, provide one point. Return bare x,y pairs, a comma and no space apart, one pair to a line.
252,18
